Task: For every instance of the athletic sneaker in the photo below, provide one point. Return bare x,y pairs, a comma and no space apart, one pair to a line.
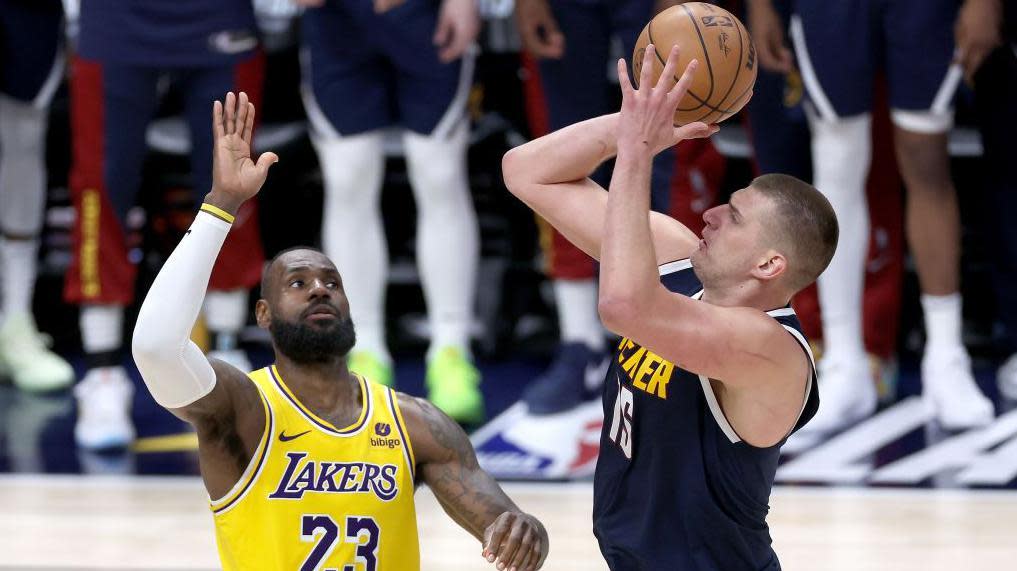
453,385
104,409
26,358
371,366
236,357
950,389
574,376
1006,378
847,395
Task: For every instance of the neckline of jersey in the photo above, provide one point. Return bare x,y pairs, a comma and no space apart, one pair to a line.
365,406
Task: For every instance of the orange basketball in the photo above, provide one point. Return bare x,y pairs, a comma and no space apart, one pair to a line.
727,59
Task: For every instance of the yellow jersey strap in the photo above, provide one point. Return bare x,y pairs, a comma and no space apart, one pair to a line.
404,434
257,462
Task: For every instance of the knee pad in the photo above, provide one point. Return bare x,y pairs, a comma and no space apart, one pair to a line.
437,166
22,167
841,152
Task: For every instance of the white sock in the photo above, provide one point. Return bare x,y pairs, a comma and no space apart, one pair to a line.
101,328
353,234
225,316
942,321
22,167
841,154
578,319
18,259
447,233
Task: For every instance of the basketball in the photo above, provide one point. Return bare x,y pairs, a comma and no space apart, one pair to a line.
727,59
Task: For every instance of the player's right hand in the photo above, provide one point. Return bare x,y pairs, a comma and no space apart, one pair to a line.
977,33
646,119
235,176
516,541
768,33
539,30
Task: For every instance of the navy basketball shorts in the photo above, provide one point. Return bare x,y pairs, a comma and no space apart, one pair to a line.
841,45
369,71
31,54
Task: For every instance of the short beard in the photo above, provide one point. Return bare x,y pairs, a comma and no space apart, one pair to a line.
305,343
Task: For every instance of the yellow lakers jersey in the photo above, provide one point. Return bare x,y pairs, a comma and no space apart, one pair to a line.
319,497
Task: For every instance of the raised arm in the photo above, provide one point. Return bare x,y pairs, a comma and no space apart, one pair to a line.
448,465
551,175
175,370
743,348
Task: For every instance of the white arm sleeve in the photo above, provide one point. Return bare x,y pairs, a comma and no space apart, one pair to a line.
174,368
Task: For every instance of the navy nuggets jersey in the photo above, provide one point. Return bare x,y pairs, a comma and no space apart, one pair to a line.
675,487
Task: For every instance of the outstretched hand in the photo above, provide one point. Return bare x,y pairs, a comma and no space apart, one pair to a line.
235,176
647,113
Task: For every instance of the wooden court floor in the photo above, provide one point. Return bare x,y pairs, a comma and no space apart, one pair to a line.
120,523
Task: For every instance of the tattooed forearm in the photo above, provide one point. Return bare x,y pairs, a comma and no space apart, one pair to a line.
468,494
449,436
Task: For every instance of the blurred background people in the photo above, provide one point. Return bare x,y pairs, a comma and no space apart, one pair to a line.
374,64
128,52
31,70
839,47
569,46
986,38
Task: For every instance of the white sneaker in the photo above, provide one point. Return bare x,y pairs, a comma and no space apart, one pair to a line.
847,394
236,357
950,389
25,356
104,409
1006,378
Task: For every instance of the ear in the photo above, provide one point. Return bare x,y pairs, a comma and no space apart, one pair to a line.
262,314
770,267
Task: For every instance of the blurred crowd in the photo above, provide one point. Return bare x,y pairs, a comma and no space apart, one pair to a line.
855,95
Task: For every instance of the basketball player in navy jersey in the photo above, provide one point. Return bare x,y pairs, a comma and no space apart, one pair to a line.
712,373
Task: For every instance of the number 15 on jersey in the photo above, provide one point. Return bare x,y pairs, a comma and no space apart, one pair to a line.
621,420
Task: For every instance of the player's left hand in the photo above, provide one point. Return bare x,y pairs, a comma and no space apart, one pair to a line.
977,33
458,26
646,121
515,542
236,177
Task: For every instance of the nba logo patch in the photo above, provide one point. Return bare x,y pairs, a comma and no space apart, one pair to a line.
516,444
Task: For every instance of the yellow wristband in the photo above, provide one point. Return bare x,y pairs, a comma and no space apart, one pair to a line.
218,213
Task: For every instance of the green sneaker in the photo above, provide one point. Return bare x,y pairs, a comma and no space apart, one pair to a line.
25,355
453,385
372,367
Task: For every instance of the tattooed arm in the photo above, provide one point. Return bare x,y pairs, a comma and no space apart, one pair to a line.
447,464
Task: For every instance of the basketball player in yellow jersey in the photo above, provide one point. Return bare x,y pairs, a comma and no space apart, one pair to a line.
308,466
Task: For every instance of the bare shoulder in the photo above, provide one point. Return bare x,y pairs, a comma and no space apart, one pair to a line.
435,436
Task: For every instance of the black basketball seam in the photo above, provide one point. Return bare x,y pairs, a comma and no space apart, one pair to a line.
729,111
712,107
649,36
702,102
738,70
702,42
